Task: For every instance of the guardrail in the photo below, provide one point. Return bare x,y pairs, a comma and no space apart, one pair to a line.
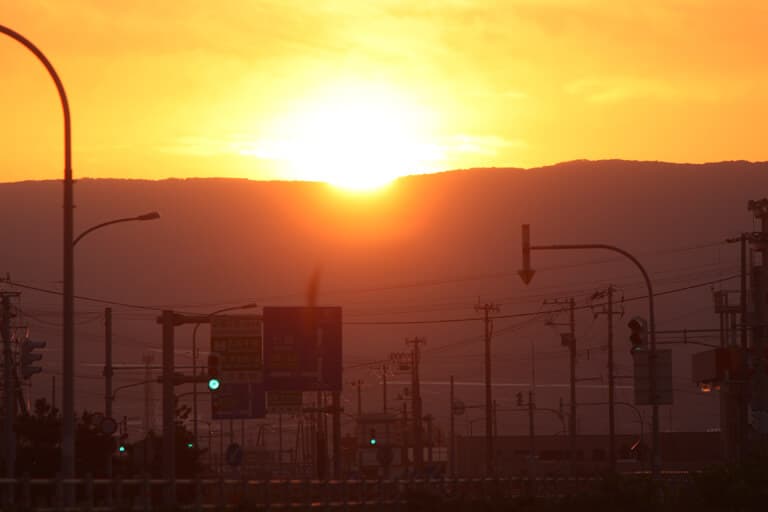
201,494
146,494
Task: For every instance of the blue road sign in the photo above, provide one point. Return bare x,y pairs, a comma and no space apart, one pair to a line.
302,348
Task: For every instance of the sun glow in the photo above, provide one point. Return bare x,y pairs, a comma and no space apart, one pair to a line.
358,139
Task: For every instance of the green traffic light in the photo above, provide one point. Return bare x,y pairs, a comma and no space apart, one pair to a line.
190,445
372,442
214,384
121,448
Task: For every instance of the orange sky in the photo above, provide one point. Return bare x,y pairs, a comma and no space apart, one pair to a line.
293,89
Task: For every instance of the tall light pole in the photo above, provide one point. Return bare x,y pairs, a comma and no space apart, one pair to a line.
108,311
68,269
526,274
108,372
250,305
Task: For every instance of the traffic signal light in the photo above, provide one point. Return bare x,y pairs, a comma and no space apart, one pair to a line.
28,357
639,334
122,444
214,371
372,437
190,444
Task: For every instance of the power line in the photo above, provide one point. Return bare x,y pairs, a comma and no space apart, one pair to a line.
384,322
523,315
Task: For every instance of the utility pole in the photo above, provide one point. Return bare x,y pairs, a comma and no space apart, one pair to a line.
280,443
487,309
358,384
743,422
149,403
452,443
741,388
418,449
609,312
532,436
381,372
428,419
569,339
9,436
169,400
758,272
531,419
404,453
611,388
108,372
384,391
730,386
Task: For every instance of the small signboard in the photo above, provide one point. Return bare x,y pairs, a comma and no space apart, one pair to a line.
302,348
663,378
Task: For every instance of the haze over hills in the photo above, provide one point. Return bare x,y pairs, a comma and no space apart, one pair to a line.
424,249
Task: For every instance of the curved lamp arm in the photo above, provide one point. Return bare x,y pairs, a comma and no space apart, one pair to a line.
146,216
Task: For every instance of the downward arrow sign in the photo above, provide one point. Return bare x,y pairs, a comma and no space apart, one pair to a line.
526,273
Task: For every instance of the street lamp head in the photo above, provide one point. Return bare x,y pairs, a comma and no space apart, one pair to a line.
148,216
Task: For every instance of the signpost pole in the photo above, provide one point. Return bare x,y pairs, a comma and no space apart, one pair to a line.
336,406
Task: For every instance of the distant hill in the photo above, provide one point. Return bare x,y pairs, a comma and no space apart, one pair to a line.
424,249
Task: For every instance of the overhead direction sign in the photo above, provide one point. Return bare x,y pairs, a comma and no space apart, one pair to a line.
302,348
237,341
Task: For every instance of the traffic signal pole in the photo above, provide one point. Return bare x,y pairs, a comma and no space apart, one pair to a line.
526,274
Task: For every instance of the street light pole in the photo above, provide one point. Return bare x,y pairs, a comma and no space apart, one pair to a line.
526,273
68,295
108,371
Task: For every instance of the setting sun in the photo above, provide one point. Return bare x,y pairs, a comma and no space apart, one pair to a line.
355,138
